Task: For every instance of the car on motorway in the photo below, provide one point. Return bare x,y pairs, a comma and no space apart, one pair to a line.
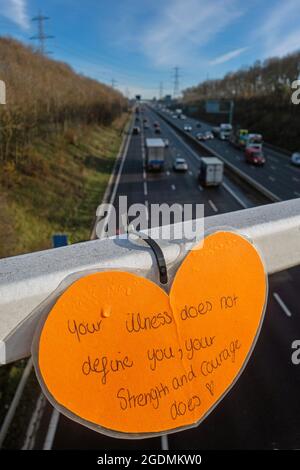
155,124
174,116
200,136
295,158
208,135
146,125
180,164
187,128
157,130
167,143
136,130
255,156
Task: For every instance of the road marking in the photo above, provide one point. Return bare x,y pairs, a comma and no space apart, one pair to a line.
273,167
144,174
200,187
190,173
145,189
164,443
212,205
16,400
168,173
51,430
34,423
235,196
147,209
116,184
173,187
296,179
296,193
282,304
271,178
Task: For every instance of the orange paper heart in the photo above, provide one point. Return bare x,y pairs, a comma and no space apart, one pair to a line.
120,355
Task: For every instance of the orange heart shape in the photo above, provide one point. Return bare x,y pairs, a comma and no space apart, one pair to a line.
121,356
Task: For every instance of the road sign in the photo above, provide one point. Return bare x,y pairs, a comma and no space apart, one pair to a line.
212,106
59,240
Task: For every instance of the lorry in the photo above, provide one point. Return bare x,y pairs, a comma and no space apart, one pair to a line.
223,131
238,138
155,154
211,171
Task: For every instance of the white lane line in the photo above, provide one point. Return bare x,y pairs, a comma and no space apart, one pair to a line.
212,205
297,180
145,189
190,173
144,175
168,173
200,187
16,400
116,183
271,178
273,167
34,423
282,304
164,443
296,193
173,187
147,209
235,196
51,430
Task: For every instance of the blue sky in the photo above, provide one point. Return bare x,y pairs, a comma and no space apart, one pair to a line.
139,42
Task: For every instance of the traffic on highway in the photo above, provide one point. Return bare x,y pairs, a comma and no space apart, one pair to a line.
271,373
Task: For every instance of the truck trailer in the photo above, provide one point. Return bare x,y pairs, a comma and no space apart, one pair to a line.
155,154
211,171
223,131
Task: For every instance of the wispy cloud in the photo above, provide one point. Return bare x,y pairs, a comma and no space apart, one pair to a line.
228,56
280,32
182,29
16,11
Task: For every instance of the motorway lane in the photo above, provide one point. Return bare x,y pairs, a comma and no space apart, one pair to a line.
263,408
184,187
278,175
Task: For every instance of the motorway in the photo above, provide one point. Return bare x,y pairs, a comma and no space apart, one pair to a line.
263,408
278,175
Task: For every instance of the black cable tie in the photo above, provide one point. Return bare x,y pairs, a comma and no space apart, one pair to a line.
158,253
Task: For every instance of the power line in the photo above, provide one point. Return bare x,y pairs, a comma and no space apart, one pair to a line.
176,83
161,90
41,36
